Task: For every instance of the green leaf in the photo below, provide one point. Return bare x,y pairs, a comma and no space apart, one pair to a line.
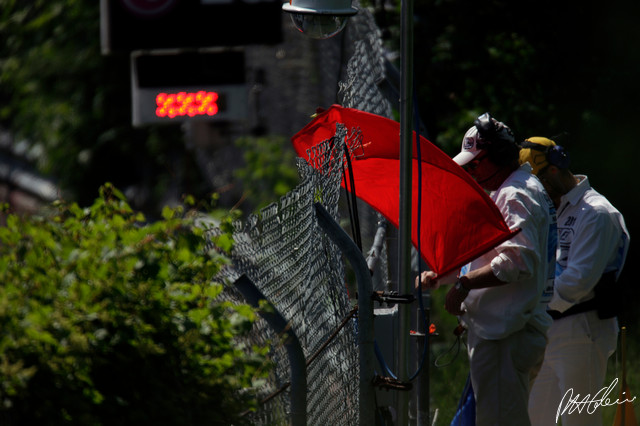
104,315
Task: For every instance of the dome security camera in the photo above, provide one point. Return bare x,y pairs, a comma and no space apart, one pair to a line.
320,19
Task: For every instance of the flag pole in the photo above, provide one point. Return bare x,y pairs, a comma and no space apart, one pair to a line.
404,236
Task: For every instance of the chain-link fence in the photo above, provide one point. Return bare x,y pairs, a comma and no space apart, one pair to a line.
297,268
301,273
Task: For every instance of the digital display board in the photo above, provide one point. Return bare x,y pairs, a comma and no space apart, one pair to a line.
177,87
187,103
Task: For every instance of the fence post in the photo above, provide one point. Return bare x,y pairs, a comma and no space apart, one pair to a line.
367,406
298,392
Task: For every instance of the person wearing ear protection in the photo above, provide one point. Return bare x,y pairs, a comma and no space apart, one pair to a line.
498,295
592,246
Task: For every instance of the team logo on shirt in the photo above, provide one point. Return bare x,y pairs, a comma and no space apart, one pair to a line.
565,234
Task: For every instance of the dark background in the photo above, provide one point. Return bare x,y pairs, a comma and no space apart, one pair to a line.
545,68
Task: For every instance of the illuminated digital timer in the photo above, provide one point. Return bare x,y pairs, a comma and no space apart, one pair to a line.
181,104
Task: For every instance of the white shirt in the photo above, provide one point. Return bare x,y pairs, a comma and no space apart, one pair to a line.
522,262
593,239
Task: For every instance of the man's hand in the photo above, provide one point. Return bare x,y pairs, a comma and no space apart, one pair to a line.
428,280
431,280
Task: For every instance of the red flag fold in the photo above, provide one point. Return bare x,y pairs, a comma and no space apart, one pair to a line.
458,220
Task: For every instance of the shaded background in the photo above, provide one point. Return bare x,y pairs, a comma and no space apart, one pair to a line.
545,68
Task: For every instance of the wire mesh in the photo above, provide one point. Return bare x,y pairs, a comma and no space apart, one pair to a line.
300,271
365,69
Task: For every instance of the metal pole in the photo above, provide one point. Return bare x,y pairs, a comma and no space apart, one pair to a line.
297,361
366,337
404,250
422,388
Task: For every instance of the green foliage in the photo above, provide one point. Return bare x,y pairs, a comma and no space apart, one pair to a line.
109,320
269,171
72,105
450,362
49,73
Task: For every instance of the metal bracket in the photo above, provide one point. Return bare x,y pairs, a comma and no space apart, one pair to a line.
392,297
391,383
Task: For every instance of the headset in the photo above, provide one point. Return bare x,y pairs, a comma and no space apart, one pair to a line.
491,131
556,154
497,139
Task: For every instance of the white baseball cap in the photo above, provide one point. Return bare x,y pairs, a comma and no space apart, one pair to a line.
486,130
470,148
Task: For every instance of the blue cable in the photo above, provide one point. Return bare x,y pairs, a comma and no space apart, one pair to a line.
416,118
378,353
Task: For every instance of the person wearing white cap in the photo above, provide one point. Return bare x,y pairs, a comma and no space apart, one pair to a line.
499,295
592,248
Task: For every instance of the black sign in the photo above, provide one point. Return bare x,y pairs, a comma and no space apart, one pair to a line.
128,25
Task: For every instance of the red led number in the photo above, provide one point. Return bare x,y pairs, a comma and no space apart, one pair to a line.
182,103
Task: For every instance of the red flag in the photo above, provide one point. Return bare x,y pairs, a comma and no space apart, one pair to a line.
458,220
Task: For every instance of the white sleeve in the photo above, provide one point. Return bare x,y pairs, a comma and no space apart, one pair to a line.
518,256
592,248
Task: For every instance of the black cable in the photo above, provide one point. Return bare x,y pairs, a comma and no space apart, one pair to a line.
416,119
348,196
354,200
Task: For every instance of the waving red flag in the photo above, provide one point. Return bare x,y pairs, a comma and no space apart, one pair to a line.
458,220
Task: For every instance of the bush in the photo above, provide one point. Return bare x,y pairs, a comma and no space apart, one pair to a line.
269,171
107,320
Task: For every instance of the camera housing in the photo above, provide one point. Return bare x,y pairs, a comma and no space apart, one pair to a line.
320,19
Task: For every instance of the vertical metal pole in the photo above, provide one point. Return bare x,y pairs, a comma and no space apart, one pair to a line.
422,388
366,336
404,249
297,361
